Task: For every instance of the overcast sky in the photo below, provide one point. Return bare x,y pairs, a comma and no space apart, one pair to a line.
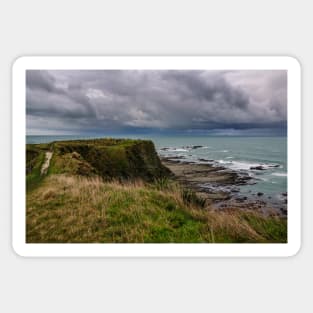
98,101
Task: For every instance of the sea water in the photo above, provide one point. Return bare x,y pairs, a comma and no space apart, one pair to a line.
241,154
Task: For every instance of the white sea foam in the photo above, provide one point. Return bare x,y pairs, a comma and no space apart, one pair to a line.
263,179
175,150
280,174
180,150
244,165
224,162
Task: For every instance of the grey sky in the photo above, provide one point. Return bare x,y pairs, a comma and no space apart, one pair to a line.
63,101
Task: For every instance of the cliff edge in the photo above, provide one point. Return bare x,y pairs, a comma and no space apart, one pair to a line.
108,158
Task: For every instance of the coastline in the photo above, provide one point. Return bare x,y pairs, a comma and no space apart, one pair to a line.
220,187
119,191
218,184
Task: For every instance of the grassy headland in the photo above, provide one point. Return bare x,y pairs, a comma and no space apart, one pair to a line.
110,190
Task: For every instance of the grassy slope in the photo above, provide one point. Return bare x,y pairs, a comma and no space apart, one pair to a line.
77,201
79,209
35,156
108,158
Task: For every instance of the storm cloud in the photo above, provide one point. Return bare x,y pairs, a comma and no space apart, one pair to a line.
82,101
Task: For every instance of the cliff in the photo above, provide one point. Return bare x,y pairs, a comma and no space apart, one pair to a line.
108,158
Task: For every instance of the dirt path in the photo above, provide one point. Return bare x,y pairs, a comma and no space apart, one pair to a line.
46,164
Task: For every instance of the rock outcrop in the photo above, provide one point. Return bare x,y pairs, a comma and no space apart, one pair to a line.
108,158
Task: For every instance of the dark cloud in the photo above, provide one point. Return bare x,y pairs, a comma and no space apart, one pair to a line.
41,80
109,100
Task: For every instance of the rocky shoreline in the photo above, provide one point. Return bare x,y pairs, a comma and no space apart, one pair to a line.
220,186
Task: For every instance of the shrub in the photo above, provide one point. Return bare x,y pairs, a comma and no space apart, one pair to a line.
190,197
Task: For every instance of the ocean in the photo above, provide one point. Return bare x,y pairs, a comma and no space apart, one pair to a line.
262,158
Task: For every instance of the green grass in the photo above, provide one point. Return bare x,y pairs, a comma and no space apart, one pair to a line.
108,158
76,209
33,178
270,228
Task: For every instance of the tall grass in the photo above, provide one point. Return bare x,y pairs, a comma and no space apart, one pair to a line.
87,209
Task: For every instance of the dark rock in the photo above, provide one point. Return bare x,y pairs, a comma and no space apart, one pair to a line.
234,190
276,165
259,194
192,147
284,194
205,160
258,168
242,180
178,157
283,210
241,199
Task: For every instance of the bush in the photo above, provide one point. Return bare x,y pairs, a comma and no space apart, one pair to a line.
190,197
162,183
